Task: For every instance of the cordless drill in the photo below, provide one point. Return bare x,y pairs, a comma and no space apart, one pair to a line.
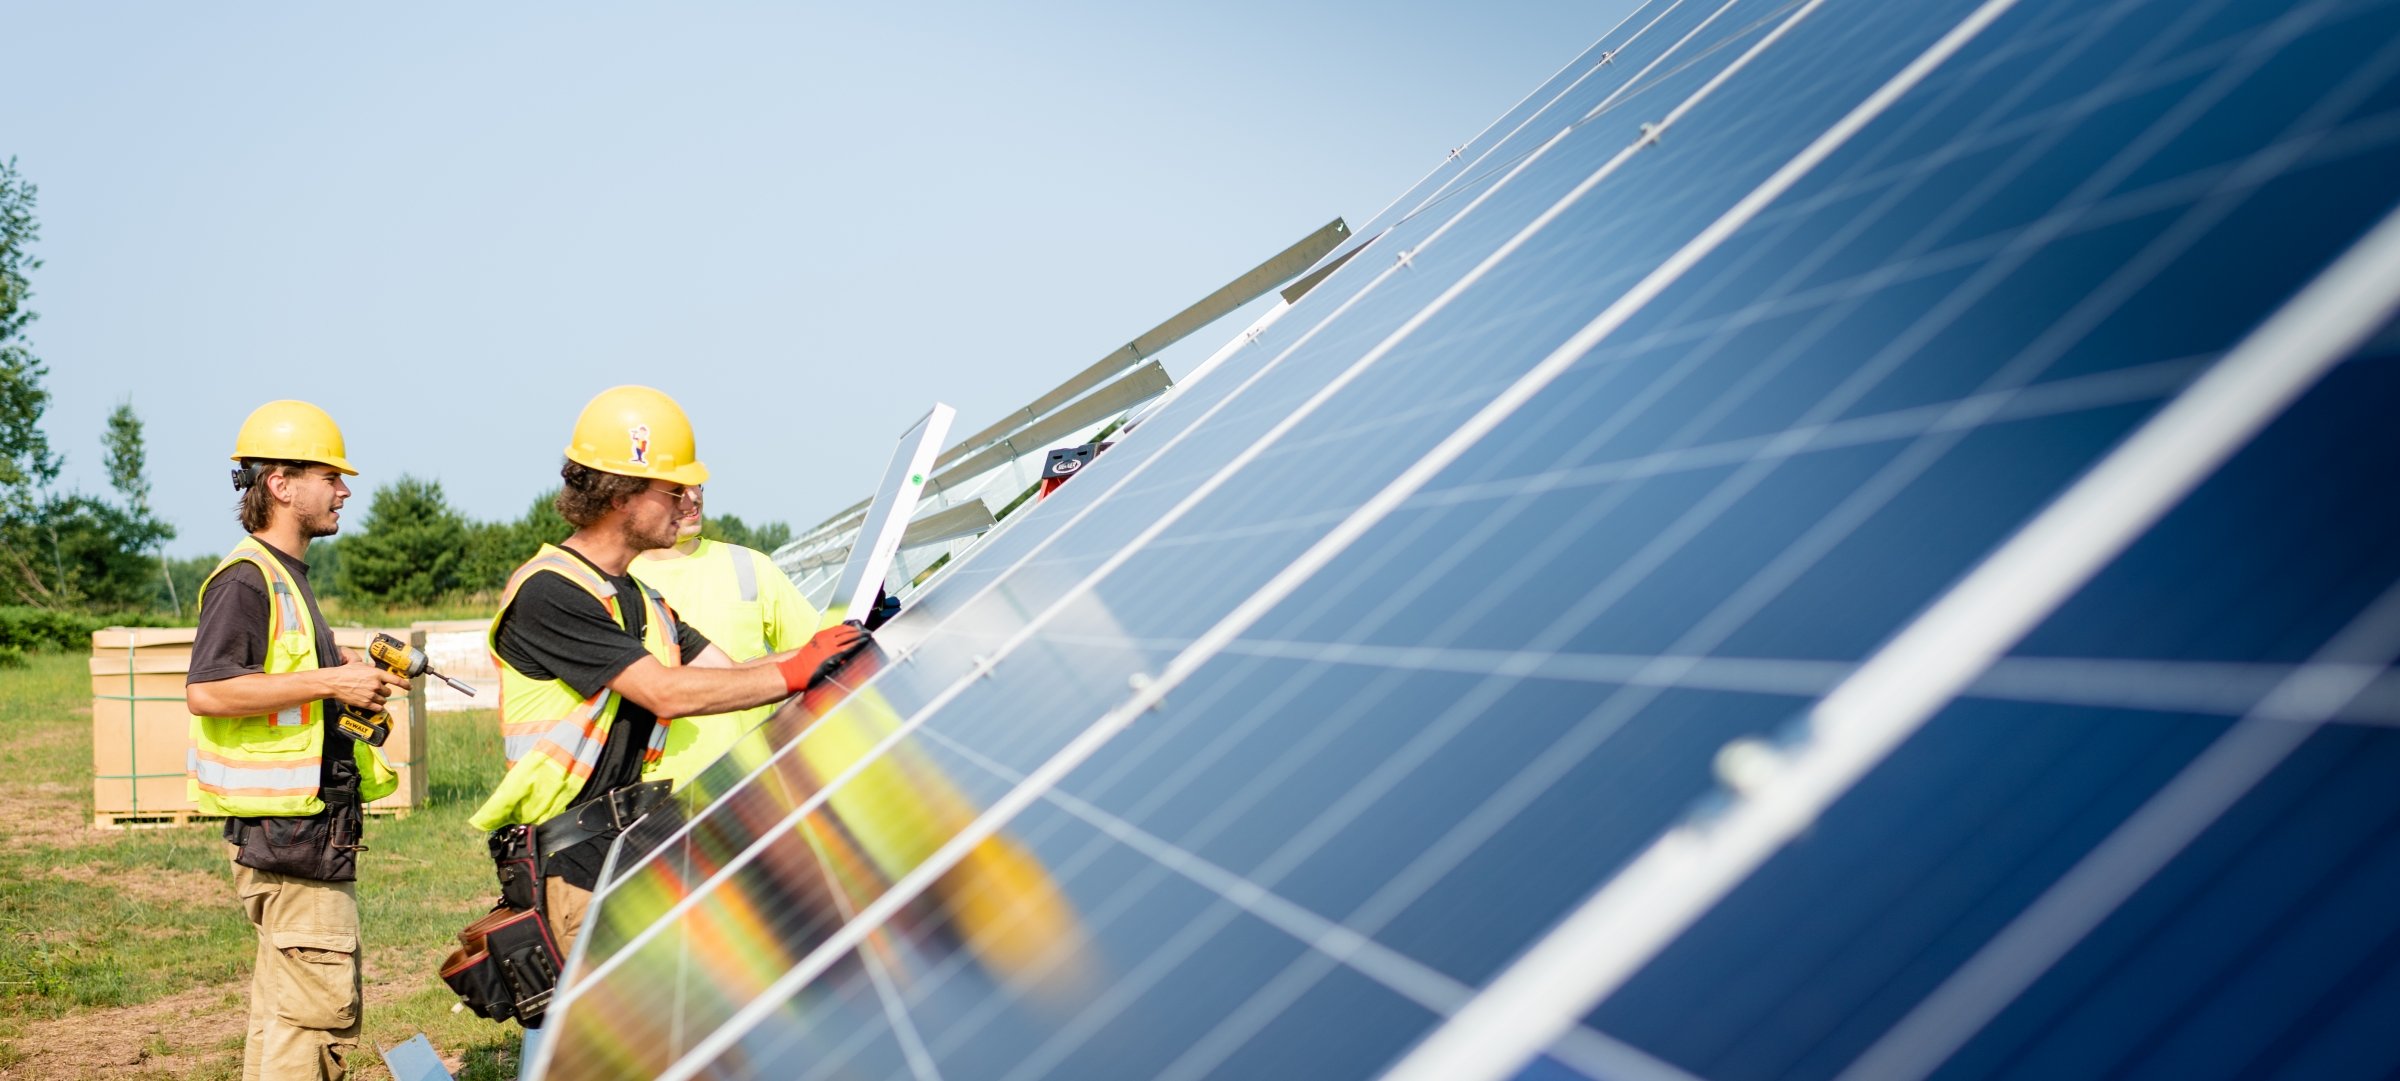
392,655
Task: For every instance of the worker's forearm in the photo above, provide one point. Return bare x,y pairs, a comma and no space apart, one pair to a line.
256,693
691,692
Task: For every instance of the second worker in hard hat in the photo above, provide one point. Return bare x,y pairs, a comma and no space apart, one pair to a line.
595,667
743,603
264,682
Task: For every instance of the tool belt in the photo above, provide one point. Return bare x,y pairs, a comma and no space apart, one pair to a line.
508,962
607,816
323,847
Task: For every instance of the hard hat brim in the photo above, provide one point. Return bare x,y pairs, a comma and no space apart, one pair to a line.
340,465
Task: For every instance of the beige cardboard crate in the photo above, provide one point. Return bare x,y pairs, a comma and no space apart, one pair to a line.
458,648
141,728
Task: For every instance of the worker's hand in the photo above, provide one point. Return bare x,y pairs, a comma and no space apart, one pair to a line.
821,655
363,685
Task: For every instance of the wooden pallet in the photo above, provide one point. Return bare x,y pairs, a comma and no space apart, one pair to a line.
159,820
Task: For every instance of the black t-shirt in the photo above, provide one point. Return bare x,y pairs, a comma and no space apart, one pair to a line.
233,638
554,630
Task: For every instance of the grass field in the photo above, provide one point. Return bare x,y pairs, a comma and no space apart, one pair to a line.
126,954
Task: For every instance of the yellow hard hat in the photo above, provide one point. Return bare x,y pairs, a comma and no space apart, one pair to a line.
638,432
293,432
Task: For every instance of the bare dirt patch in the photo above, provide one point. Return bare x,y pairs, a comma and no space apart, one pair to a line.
47,815
173,1037
156,886
196,1032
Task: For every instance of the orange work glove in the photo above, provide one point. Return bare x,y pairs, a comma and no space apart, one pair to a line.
821,655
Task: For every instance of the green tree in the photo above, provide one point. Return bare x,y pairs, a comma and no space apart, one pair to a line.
495,549
184,576
410,550
325,566
126,460
766,536
100,553
27,465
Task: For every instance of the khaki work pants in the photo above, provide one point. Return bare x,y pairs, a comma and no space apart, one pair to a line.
304,993
566,904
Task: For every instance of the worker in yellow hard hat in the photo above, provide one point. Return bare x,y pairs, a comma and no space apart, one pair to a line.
595,666
264,681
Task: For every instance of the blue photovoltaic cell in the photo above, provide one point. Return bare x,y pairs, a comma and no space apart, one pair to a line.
1354,812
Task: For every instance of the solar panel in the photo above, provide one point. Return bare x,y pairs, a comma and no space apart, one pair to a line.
1836,540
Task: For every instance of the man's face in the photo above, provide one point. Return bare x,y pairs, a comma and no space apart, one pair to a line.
316,495
687,524
651,515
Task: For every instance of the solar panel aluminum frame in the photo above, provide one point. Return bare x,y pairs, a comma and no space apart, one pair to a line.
879,536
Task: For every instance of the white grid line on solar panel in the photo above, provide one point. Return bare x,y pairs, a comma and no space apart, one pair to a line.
1650,902
1633,86
1452,162
1373,512
1565,97
1335,942
1195,497
895,1013
2133,853
2207,688
2123,386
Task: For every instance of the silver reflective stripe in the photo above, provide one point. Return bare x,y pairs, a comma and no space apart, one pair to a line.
287,606
216,776
566,735
745,574
285,603
516,747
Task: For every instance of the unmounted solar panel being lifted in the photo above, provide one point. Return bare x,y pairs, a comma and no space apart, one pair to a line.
1836,540
888,514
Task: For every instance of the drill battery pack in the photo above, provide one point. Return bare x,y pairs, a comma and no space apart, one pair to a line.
371,731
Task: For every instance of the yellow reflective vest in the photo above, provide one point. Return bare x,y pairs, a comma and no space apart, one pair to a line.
746,606
550,735
272,764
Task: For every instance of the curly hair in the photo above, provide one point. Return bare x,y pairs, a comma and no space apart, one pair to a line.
588,493
255,502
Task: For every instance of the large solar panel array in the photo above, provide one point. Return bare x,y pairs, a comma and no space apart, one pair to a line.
1840,539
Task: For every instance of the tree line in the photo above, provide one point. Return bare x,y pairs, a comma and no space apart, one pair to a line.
69,551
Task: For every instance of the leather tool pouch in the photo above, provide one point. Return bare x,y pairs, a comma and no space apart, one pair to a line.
520,866
506,965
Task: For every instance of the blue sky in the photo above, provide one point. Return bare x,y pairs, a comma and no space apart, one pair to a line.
452,224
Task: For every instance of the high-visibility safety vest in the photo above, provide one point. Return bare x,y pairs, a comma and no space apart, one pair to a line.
552,736
745,606
272,764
